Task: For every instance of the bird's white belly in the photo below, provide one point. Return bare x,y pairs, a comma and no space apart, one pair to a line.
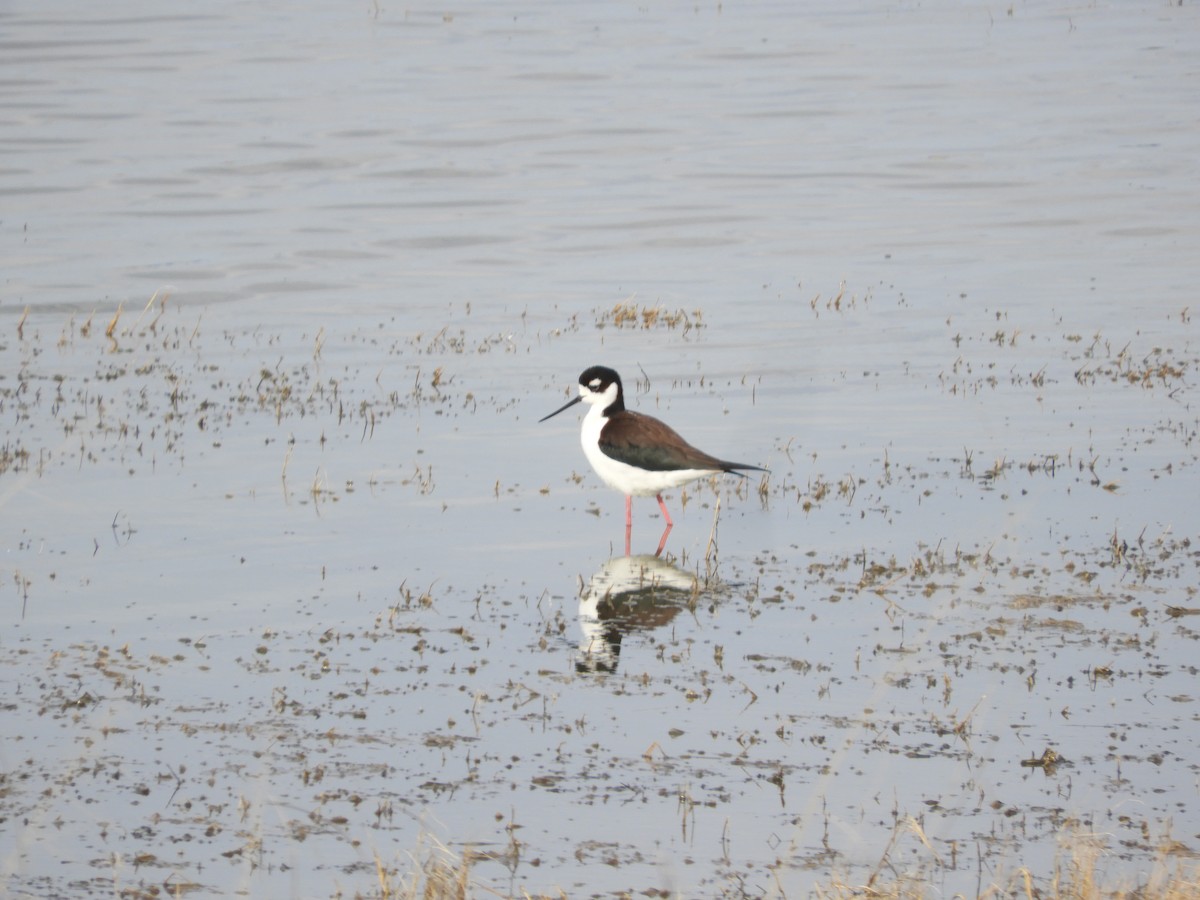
626,478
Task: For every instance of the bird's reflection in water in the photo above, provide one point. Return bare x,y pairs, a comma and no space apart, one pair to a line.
627,594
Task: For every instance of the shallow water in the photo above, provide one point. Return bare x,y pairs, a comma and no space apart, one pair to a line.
295,582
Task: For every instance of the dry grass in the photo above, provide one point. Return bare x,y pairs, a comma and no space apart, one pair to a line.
1079,874
629,314
436,874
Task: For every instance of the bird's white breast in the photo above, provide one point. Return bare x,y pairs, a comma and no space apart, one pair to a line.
621,476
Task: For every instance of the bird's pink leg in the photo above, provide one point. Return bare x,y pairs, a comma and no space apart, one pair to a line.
663,507
662,541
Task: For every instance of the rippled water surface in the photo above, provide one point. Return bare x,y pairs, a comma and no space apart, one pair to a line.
300,598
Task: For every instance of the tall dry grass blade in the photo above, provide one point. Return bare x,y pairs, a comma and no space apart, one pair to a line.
112,325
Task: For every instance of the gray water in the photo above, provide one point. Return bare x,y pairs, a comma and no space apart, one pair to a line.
294,582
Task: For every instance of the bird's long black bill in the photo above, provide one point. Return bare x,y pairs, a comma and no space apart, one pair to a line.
561,408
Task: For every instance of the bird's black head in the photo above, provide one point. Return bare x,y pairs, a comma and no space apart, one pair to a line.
594,384
598,379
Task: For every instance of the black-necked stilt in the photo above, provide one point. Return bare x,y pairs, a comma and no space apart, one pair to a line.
635,453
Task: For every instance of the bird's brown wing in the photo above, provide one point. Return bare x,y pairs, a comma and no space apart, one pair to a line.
643,441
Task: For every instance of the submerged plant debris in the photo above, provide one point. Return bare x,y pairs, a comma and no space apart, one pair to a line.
275,625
